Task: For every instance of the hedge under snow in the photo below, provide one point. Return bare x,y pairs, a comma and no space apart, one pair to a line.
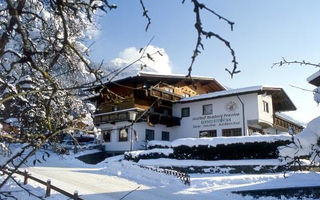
213,142
158,144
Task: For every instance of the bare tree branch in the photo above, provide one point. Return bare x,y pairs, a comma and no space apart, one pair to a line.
208,34
303,62
146,15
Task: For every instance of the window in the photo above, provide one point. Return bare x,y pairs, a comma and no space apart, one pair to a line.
208,133
165,112
265,106
185,95
114,108
231,132
107,136
149,134
168,89
185,112
123,135
165,136
207,109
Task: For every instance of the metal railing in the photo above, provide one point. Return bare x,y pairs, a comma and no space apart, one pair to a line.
184,177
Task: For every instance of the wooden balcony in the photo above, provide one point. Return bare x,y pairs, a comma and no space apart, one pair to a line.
285,125
158,118
115,116
123,115
164,95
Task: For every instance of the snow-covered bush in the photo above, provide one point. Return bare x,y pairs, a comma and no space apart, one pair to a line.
305,144
149,154
44,66
219,148
158,144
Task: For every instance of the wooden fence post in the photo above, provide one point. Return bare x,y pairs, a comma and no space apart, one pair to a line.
75,195
25,181
48,191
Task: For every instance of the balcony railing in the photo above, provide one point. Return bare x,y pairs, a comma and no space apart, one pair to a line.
123,115
162,94
286,125
115,116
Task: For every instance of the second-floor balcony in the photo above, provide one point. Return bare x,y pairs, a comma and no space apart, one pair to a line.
125,115
164,95
117,116
286,125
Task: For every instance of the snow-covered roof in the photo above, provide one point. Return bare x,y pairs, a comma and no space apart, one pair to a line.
314,78
284,103
290,119
158,75
142,77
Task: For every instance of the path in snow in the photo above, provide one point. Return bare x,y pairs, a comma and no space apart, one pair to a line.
113,180
95,186
89,184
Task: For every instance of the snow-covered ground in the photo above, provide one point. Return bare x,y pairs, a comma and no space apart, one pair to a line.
112,179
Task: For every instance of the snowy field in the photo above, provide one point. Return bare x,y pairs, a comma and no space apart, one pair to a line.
112,179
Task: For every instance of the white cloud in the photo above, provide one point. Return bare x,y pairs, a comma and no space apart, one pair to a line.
159,64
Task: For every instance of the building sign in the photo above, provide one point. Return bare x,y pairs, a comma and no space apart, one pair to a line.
208,121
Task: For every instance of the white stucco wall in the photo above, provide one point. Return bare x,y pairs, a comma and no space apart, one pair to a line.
227,114
140,128
266,117
221,118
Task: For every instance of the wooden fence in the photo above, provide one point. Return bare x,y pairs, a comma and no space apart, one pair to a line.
49,187
184,177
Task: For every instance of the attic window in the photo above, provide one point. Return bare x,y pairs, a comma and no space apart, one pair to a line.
168,89
186,95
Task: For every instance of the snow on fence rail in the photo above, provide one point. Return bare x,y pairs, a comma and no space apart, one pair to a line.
49,187
184,177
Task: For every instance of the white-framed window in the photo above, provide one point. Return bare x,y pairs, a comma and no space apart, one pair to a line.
165,136
149,134
208,133
185,112
265,106
231,132
123,135
106,135
207,109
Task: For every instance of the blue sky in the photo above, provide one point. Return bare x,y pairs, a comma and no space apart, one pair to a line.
264,32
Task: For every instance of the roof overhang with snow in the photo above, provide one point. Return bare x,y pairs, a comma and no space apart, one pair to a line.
143,77
314,79
281,101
